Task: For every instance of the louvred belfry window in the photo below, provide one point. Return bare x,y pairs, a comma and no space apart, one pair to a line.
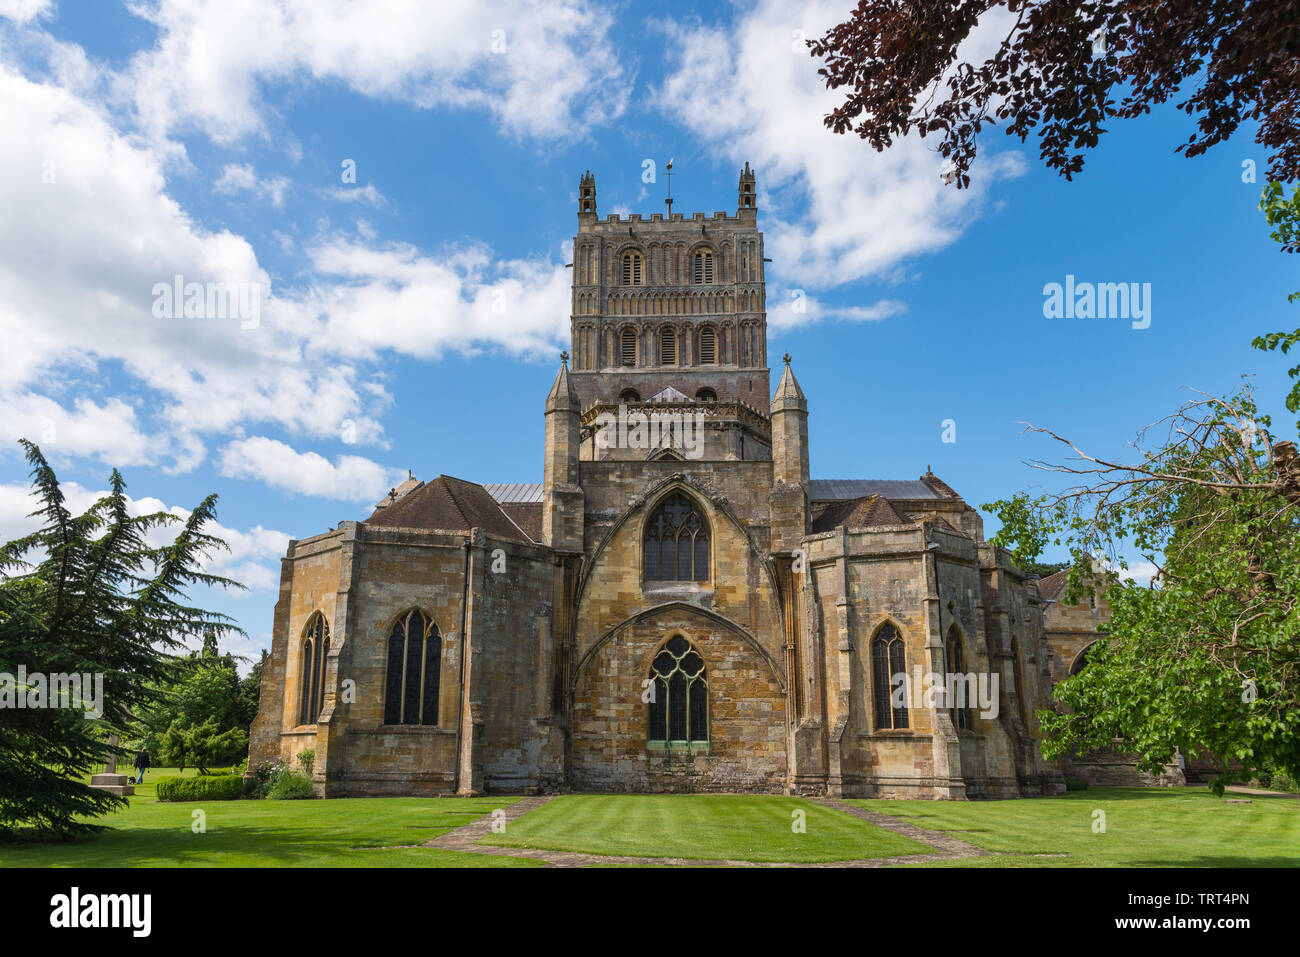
703,267
708,346
632,269
628,343
668,348
679,703
677,543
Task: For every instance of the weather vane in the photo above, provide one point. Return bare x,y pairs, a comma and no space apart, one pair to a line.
668,171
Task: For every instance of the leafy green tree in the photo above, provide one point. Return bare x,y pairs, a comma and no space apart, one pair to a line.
1283,215
201,744
88,594
1205,659
204,685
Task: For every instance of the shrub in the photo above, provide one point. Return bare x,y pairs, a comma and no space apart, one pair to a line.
306,760
289,785
1284,782
258,781
214,787
1074,782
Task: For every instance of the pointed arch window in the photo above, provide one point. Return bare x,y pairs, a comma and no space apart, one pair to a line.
629,395
706,395
954,666
311,682
668,347
414,668
1022,693
679,700
708,346
676,543
633,268
889,658
628,351
702,267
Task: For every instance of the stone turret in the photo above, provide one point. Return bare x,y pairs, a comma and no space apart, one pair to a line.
790,469
562,496
747,195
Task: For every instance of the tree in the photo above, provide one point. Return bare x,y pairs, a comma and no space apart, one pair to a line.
1283,214
201,744
88,594
1205,658
1057,69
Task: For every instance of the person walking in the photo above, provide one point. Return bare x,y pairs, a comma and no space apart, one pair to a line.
141,762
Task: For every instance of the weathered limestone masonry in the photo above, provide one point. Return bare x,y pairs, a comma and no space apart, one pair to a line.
666,610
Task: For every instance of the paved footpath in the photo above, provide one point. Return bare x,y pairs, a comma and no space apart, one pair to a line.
465,838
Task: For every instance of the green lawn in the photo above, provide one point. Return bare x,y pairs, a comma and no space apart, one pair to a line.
700,826
269,834
1180,827
1155,827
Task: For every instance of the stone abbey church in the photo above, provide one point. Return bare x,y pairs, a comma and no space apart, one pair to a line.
689,613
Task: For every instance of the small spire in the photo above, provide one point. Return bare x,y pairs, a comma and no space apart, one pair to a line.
410,474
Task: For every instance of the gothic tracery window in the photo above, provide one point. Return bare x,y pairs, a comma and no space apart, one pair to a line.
676,543
679,701
954,665
888,658
414,667
311,683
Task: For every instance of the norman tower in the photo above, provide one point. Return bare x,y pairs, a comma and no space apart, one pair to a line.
672,309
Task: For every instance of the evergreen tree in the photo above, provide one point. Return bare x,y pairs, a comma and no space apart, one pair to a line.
88,594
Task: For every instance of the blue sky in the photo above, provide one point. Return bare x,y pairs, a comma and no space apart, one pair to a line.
413,318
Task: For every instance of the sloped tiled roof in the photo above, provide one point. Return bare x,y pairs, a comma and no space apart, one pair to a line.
867,512
527,515
1053,585
450,504
934,518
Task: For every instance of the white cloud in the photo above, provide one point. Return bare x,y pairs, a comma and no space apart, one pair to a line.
1140,572
395,297
21,11
357,194
88,231
241,177
253,555
836,210
350,477
544,70
109,431
789,308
